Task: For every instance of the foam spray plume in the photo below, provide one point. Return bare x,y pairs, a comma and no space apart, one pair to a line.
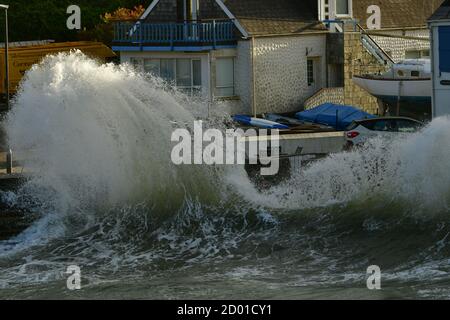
96,136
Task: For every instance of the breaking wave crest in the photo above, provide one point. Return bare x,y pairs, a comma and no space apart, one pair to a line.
411,169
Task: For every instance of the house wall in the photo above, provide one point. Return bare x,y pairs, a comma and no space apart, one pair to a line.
281,71
239,103
398,46
441,89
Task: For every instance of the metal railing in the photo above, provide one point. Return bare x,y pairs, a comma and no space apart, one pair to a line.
211,32
374,48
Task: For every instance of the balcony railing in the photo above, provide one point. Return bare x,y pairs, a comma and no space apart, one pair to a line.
173,34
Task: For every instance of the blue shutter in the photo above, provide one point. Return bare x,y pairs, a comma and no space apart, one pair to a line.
444,49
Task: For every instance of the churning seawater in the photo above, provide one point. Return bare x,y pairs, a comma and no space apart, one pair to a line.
108,199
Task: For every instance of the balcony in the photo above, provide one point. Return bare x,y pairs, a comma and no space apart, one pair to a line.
187,36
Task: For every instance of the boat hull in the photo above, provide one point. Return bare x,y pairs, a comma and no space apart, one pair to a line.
412,96
414,90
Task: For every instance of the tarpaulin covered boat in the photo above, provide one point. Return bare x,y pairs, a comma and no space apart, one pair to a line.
333,115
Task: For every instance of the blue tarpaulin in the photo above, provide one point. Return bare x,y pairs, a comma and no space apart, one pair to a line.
333,115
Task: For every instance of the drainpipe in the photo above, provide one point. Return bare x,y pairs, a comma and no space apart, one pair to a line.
253,79
211,94
433,29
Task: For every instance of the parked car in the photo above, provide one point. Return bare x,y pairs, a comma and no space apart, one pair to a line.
362,130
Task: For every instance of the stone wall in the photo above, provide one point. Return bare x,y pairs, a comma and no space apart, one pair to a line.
325,95
358,61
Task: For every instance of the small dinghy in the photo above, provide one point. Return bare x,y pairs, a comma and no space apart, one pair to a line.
260,123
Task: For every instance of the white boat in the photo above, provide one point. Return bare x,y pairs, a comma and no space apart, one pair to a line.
407,83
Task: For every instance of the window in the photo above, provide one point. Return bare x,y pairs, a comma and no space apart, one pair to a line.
408,126
168,70
415,74
197,73
225,77
368,124
342,7
152,66
400,73
185,74
417,54
310,72
137,63
384,125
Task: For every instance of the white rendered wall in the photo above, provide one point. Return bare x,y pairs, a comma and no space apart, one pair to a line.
281,71
398,46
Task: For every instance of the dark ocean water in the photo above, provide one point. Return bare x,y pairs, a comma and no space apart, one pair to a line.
108,200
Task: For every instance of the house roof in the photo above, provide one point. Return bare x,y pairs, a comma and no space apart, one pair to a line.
442,13
27,43
263,17
397,13
267,17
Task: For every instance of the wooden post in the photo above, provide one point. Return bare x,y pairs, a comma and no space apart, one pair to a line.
253,78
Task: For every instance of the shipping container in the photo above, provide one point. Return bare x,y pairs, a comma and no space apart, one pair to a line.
23,55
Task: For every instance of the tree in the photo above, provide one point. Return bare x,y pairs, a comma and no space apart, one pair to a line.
46,19
104,31
124,14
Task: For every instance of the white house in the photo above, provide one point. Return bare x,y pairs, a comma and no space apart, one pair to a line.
259,55
439,24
